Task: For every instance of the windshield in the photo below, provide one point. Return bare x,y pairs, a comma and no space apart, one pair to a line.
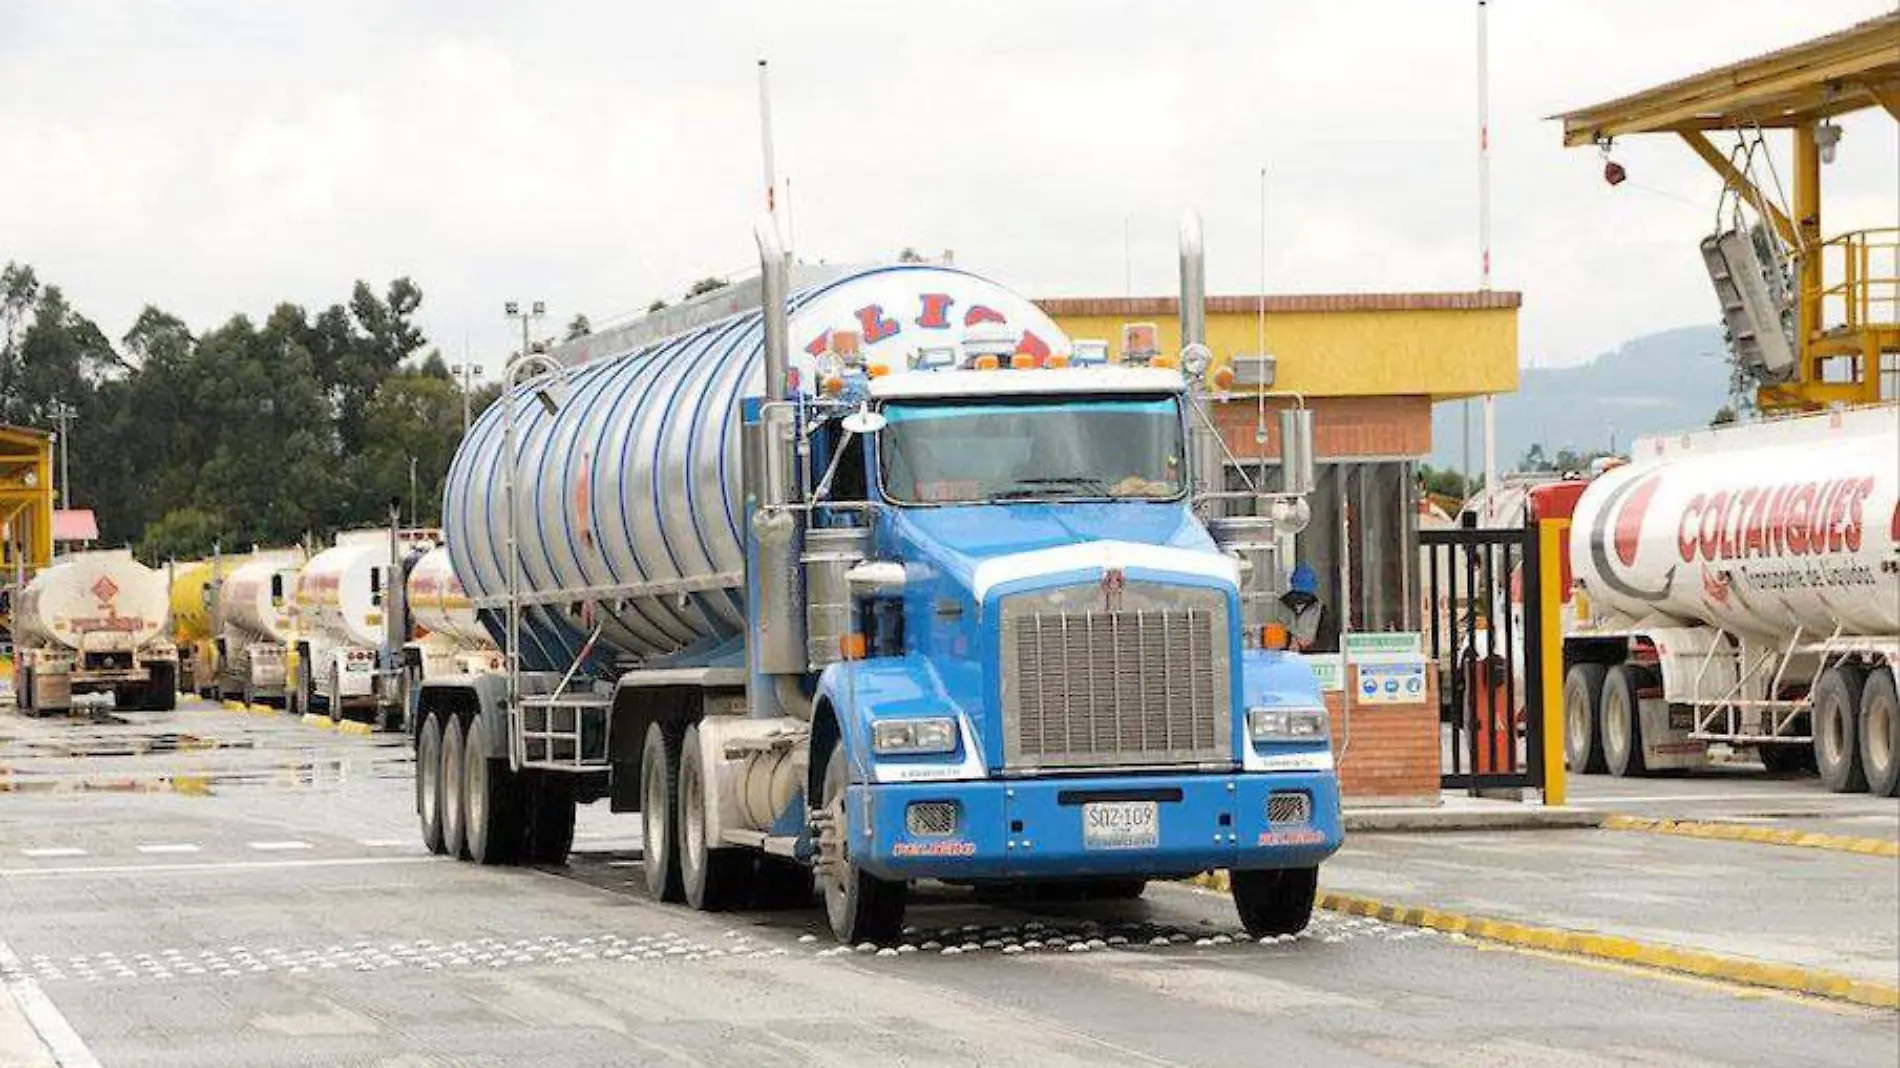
938,453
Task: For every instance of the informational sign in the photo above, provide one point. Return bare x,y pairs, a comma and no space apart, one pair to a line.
1394,683
1372,647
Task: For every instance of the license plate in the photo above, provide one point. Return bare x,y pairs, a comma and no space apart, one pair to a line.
1121,824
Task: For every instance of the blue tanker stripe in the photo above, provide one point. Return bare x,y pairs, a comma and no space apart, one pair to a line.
669,352
628,381
734,338
541,469
659,451
645,630
459,541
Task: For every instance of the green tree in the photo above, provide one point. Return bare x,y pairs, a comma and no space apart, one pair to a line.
657,305
1723,416
181,534
578,328
705,285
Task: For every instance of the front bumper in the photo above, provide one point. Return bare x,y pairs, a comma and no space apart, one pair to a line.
1028,829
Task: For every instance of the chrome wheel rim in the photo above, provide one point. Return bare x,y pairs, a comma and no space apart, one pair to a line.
474,787
427,774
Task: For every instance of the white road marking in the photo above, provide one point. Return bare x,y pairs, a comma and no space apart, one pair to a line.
383,843
169,847
44,1017
1611,801
279,847
53,851
224,866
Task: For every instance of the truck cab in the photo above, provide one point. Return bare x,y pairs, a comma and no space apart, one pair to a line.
1051,676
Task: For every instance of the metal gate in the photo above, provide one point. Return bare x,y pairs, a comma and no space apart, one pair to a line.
1488,654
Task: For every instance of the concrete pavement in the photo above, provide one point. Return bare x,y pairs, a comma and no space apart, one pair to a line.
278,910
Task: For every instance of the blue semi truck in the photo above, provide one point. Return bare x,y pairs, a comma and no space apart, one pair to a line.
879,581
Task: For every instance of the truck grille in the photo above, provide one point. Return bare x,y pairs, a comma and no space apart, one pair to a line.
1145,684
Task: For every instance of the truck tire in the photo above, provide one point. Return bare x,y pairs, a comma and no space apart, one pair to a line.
1621,721
454,827
659,812
1583,735
860,906
429,783
549,820
22,689
161,691
491,800
713,879
1278,902
1880,733
1836,719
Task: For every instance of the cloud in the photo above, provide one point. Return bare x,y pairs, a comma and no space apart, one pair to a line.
219,156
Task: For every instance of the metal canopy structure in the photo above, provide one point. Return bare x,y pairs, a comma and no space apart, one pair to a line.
1846,71
1846,289
26,505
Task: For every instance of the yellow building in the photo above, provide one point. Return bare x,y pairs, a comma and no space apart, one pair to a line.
1370,365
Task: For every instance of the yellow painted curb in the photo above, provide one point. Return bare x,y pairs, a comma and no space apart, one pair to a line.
261,710
1788,977
1736,832
232,706
311,719
350,726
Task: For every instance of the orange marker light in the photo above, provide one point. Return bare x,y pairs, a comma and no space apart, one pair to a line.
1022,361
1168,362
878,370
986,363
1055,360
851,646
1221,378
1275,636
834,384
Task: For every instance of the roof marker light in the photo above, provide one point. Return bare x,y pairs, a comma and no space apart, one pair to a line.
986,363
1055,361
1022,361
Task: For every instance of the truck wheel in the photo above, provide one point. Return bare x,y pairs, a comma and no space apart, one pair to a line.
1621,723
714,879
429,783
659,813
1583,737
1836,719
550,821
454,823
491,815
23,690
860,906
1880,733
1275,902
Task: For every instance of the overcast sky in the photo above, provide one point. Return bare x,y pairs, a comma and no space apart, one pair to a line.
219,156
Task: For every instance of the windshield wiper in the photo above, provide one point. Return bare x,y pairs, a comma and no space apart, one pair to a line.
1034,487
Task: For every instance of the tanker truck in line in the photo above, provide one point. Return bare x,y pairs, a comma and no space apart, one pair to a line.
1739,586
350,623
883,581
95,623
193,594
445,638
256,616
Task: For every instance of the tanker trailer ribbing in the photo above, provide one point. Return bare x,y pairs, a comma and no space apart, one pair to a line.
256,608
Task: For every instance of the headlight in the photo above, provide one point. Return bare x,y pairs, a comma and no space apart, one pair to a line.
893,736
1286,724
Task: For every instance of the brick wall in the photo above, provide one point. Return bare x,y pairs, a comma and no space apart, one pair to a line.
1342,426
1394,754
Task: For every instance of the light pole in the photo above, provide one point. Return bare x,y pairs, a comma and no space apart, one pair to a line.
414,516
510,375
467,372
64,414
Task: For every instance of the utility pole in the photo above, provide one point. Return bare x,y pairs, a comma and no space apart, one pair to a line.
414,518
64,414
536,310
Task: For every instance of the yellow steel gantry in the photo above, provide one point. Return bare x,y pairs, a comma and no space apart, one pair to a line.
26,505
1848,286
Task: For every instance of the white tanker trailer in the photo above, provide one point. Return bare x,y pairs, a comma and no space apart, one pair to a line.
95,622
343,646
256,611
447,639
1740,585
